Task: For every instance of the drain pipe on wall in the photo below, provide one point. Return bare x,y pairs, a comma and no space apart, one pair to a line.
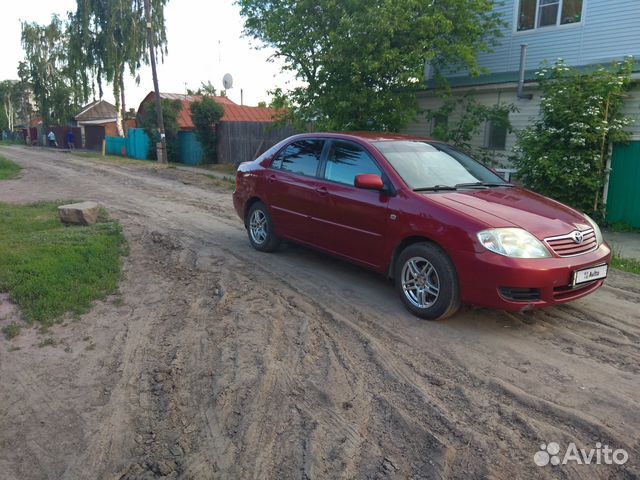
523,62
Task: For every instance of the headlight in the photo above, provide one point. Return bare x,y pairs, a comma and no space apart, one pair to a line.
596,229
513,242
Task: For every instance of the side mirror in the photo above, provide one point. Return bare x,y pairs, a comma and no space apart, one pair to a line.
369,181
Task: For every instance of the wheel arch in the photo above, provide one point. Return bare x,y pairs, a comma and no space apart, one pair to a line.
406,242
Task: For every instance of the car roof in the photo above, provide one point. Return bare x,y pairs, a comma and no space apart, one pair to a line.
368,137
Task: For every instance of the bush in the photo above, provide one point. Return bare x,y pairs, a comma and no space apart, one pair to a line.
148,121
206,115
565,152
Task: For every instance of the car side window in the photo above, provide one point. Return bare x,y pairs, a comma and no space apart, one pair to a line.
302,157
346,161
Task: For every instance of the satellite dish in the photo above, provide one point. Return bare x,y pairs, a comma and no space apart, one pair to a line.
227,81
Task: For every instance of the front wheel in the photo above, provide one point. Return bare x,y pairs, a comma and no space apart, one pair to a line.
427,282
260,228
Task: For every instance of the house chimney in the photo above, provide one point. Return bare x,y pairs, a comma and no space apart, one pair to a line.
523,62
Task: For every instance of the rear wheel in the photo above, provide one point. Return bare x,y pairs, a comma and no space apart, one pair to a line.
427,282
260,228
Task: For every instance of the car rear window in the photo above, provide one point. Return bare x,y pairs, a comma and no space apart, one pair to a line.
301,157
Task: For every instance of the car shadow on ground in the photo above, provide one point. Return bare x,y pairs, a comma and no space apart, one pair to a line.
379,292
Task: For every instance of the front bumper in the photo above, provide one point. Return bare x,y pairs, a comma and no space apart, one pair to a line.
487,279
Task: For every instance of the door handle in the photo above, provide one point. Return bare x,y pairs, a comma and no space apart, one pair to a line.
271,178
322,190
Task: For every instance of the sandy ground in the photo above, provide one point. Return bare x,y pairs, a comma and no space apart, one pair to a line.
223,362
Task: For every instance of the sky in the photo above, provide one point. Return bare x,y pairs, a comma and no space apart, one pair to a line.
204,40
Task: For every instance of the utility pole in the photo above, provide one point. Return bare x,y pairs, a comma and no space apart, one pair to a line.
162,151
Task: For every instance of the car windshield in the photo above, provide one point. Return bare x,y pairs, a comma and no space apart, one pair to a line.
426,166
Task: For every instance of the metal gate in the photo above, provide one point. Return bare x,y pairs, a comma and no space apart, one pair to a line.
191,151
93,137
623,199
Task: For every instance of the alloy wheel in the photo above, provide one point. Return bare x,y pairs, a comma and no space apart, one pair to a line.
258,227
420,282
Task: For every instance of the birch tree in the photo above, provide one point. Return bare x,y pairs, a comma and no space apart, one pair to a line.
57,89
109,38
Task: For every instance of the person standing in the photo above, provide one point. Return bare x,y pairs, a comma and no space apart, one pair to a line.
71,140
52,139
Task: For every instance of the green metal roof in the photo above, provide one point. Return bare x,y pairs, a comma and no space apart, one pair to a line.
513,77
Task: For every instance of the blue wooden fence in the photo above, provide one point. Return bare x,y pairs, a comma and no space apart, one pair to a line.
136,145
191,152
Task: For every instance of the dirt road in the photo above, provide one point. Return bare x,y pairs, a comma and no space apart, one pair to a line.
223,362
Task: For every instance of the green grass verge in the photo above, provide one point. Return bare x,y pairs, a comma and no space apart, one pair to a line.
622,227
625,264
8,169
223,168
114,158
50,269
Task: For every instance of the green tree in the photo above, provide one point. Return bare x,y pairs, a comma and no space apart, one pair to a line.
9,104
565,152
25,93
204,89
149,122
461,118
56,86
206,115
361,61
107,38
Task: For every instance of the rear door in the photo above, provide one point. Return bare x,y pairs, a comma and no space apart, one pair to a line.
352,220
292,181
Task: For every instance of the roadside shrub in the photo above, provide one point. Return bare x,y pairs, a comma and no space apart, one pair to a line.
206,115
148,121
564,153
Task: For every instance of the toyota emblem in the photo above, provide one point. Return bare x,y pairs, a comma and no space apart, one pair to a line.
577,237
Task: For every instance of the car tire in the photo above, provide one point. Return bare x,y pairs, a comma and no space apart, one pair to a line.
260,228
427,282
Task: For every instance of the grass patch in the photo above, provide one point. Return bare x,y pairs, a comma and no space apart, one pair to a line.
630,265
227,183
50,269
622,227
11,331
12,142
8,169
115,158
48,342
223,168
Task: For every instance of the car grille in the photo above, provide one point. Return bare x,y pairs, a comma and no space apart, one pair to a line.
566,246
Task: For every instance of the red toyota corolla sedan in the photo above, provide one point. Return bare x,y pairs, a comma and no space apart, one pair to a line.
446,228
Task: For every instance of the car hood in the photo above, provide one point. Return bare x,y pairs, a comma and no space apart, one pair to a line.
514,207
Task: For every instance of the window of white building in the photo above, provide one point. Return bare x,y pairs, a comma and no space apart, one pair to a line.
548,13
